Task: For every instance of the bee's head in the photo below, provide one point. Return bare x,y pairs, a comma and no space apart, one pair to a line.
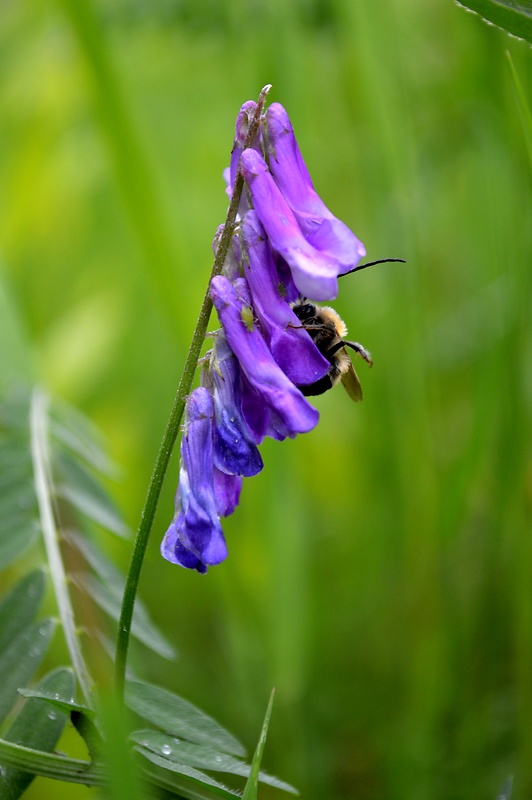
304,311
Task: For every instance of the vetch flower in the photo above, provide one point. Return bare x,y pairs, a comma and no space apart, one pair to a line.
294,413
314,271
235,452
195,538
285,245
289,343
319,226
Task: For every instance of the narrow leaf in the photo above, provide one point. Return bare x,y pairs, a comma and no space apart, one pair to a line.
80,716
515,18
50,765
36,726
80,488
109,599
200,756
178,717
15,539
183,787
251,790
81,437
506,790
21,659
58,699
115,582
19,608
193,774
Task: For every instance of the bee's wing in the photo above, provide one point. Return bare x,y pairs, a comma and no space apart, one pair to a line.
351,382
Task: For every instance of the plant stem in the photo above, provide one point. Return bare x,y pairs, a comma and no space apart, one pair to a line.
43,488
174,421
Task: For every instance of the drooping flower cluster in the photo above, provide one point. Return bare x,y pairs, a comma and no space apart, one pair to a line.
286,244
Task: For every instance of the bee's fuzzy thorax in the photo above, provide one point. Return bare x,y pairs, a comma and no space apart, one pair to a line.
330,315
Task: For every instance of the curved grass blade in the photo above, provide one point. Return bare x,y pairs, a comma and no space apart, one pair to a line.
252,787
193,775
200,757
180,786
80,716
20,660
179,718
38,727
507,14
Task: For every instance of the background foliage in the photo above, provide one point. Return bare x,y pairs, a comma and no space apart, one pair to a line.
379,569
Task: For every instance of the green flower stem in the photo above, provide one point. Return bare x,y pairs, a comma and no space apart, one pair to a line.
174,421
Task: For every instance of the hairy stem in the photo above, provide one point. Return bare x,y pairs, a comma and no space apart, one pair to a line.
44,490
174,421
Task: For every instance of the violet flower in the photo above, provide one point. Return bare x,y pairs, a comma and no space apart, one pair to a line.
289,343
314,272
293,412
195,539
319,226
235,452
287,244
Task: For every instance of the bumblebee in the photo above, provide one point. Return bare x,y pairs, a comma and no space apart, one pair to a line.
327,330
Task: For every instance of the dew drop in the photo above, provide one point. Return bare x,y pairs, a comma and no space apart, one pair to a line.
43,630
166,749
52,715
218,759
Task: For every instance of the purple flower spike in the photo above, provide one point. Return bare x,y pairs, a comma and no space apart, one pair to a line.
256,361
314,272
290,344
319,226
195,539
235,452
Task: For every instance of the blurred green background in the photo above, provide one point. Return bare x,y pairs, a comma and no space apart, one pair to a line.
380,568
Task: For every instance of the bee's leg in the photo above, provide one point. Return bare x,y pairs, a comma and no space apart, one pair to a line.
358,348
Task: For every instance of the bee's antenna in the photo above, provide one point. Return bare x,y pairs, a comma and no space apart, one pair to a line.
371,264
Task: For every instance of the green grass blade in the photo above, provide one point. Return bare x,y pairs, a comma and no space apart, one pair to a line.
38,727
200,756
252,785
504,14
178,717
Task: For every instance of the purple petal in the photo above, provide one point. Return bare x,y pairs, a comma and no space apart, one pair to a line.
196,531
319,226
314,273
257,363
227,492
235,452
290,344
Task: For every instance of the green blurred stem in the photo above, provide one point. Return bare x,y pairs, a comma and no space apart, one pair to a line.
40,455
174,421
